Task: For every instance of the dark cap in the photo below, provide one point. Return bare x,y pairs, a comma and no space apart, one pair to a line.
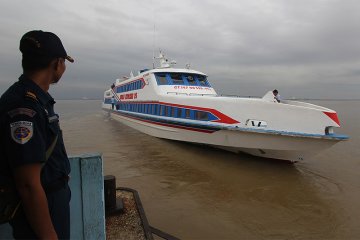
43,44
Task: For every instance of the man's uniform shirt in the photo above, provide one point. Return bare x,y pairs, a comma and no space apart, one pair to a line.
28,126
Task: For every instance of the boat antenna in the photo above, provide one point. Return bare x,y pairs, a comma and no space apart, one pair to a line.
154,37
153,62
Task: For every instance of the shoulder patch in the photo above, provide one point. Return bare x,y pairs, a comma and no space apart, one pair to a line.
21,131
31,95
22,111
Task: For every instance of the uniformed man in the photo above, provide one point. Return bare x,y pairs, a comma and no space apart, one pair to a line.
32,151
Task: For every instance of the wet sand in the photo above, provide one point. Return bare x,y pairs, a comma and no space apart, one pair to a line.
197,192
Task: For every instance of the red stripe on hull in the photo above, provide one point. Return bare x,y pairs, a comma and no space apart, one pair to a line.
333,116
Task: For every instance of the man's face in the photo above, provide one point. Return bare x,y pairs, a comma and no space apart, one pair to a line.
59,69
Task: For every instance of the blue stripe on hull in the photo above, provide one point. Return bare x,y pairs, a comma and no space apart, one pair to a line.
215,127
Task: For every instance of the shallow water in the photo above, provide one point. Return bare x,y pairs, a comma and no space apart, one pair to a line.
198,192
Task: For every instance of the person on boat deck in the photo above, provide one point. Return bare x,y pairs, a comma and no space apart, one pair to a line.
277,95
32,151
112,102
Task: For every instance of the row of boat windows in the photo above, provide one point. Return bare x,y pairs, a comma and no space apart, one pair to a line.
167,79
167,111
135,85
181,79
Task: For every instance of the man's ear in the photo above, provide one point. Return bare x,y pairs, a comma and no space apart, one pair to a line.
56,63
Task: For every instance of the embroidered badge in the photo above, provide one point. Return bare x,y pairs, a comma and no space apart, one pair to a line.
31,95
21,131
22,111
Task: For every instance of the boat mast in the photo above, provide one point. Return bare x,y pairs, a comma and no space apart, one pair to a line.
154,46
154,36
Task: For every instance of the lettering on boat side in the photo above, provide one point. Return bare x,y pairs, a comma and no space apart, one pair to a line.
128,96
192,87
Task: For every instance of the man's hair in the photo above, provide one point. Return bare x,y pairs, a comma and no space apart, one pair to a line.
30,63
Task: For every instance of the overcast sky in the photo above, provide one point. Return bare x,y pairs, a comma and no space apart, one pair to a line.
304,48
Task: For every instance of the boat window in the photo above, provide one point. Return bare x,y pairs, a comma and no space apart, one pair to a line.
161,110
161,78
179,113
200,115
168,111
202,80
177,78
187,113
191,80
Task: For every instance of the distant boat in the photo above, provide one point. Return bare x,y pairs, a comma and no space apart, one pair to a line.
180,104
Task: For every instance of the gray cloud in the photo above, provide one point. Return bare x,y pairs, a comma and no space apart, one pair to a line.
304,48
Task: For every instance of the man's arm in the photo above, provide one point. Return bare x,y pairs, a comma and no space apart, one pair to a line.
28,184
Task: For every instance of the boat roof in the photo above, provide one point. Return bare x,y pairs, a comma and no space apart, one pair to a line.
176,70
165,66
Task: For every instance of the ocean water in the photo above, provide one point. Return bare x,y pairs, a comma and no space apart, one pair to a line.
198,192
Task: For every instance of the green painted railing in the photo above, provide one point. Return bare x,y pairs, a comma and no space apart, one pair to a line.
87,199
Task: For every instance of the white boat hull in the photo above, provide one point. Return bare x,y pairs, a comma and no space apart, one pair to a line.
269,145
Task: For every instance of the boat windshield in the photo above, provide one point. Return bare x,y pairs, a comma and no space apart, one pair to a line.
181,79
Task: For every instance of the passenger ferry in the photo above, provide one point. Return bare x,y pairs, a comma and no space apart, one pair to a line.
180,104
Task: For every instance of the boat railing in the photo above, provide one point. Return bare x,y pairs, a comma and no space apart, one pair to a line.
197,94
190,94
235,96
176,93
